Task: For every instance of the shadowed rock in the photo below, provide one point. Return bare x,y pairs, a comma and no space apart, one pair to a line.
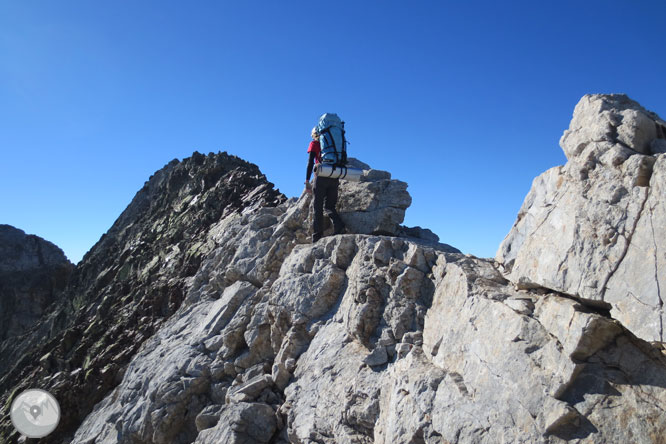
33,273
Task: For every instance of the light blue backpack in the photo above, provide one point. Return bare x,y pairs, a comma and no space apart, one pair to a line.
332,140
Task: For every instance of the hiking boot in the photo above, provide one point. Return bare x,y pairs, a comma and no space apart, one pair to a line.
340,230
316,237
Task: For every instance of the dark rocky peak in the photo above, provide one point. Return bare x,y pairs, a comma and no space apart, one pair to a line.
129,283
177,205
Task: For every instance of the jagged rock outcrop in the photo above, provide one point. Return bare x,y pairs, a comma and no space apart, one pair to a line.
595,228
33,272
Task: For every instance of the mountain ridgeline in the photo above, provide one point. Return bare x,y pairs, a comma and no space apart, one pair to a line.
206,315
130,282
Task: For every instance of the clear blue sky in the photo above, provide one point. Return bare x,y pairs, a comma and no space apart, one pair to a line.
465,101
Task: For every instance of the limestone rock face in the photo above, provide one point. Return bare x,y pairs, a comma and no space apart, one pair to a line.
370,339
593,229
33,272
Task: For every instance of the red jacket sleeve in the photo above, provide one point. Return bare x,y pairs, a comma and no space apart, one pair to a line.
314,147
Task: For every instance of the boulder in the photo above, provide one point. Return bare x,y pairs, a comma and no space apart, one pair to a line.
375,205
241,423
611,118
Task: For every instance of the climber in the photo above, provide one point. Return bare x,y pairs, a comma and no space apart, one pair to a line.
325,191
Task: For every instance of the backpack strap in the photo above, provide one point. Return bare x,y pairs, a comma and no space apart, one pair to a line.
327,131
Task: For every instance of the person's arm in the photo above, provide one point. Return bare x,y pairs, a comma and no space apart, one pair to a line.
311,161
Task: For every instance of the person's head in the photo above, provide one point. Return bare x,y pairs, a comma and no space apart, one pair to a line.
314,133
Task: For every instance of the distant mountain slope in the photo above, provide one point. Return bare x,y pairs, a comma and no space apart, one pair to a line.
33,272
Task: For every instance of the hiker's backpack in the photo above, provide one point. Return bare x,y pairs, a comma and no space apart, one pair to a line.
332,140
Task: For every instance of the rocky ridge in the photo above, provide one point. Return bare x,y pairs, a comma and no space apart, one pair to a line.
368,338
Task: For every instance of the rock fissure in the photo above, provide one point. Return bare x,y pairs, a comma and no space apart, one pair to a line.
638,300
487,366
551,207
628,236
656,277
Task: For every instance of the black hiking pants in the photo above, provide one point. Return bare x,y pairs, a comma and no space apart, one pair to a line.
325,191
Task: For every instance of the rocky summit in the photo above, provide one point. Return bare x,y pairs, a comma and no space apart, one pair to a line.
206,315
